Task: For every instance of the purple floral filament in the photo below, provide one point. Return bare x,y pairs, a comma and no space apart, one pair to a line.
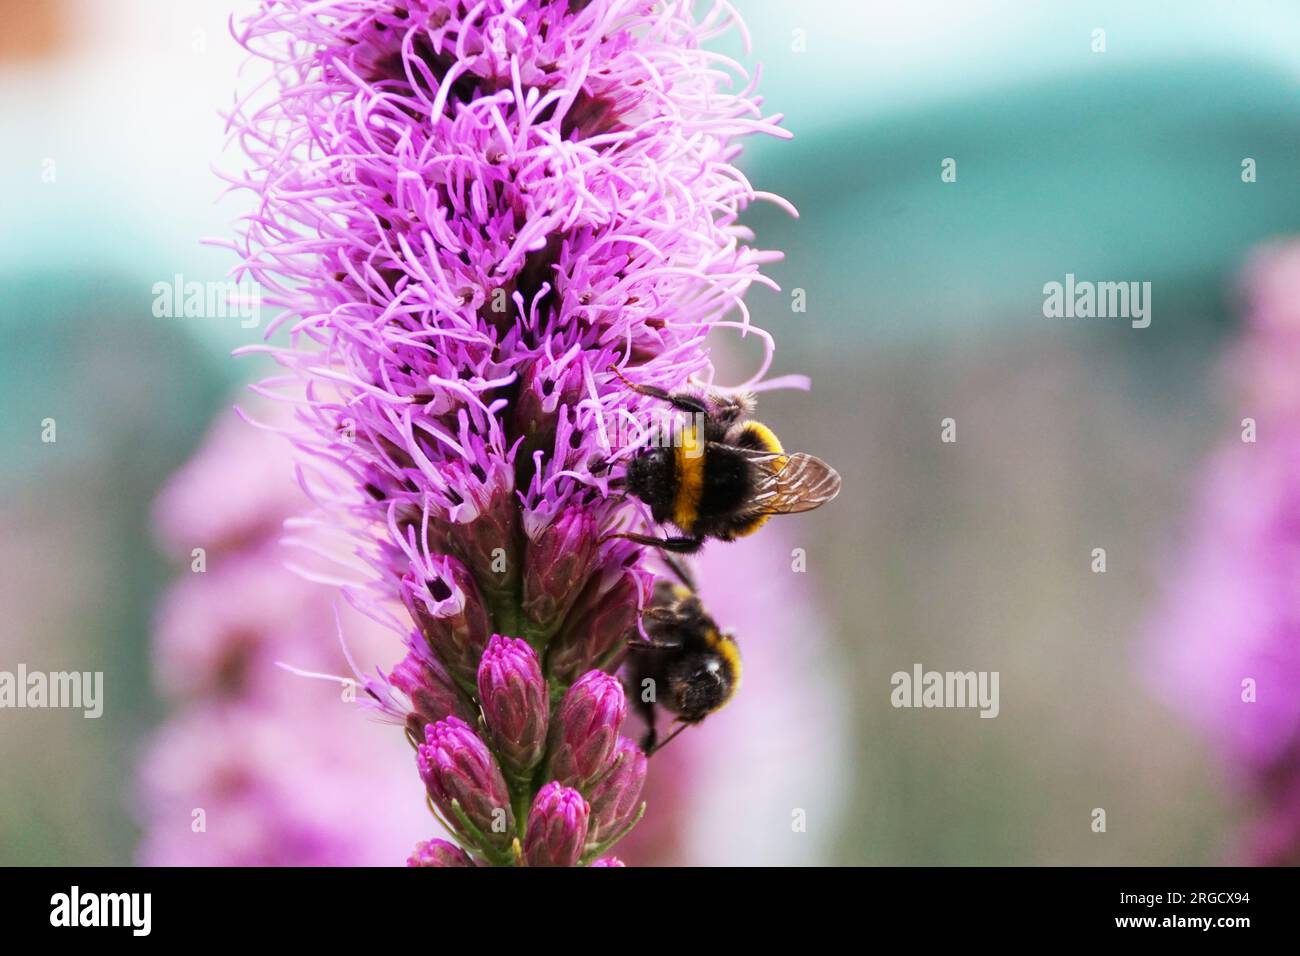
469,212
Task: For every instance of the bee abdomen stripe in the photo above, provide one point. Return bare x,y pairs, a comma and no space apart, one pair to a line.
730,654
688,458
760,436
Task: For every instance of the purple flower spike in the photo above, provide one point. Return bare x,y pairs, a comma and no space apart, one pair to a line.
466,784
516,702
586,727
556,564
438,853
608,861
467,215
557,827
616,796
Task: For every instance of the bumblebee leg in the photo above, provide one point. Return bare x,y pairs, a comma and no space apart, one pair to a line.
683,403
661,614
650,739
646,710
658,745
652,644
677,545
681,545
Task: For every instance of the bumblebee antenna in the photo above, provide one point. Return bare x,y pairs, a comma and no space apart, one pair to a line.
682,403
626,381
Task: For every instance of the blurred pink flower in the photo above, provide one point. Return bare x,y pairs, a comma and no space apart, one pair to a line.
258,766
235,490
1225,645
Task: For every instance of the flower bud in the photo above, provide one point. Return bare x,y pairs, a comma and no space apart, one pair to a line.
515,702
615,797
556,565
432,692
585,728
543,389
557,827
485,526
598,628
446,605
456,766
438,853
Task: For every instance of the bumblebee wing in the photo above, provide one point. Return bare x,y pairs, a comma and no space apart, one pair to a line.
789,484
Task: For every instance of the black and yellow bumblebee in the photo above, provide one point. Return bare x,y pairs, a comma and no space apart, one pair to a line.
688,666
722,474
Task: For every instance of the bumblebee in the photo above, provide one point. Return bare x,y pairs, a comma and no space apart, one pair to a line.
691,666
722,474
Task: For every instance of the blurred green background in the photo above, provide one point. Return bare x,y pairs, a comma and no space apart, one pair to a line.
924,301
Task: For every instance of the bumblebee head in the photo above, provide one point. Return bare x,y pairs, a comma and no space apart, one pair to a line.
647,463
650,478
703,681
